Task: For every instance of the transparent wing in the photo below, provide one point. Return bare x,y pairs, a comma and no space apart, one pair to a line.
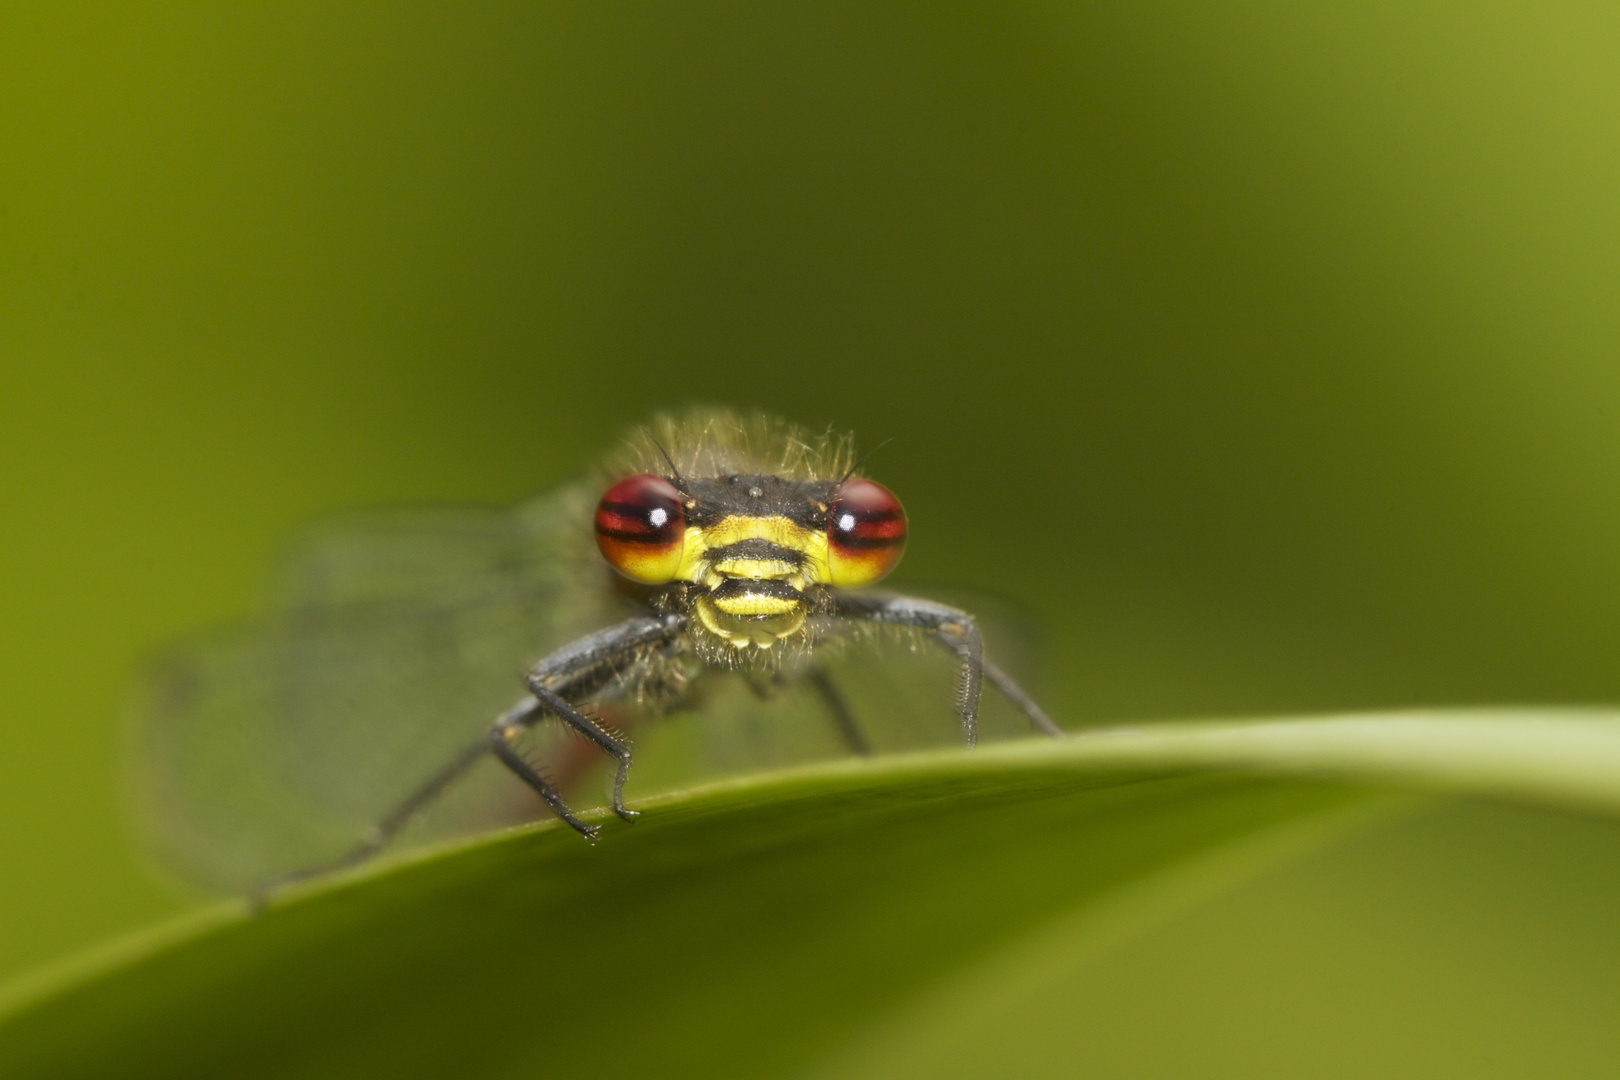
397,638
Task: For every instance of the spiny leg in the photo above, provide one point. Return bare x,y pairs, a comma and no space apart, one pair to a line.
1017,695
959,632
577,668
500,744
593,731
955,629
1020,697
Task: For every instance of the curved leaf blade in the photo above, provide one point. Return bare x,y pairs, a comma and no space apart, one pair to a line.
747,927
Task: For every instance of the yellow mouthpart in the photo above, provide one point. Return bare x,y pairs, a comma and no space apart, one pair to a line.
752,604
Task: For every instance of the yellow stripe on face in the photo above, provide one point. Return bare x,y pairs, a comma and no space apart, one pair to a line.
700,540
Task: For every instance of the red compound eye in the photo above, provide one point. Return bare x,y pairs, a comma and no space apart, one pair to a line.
641,528
866,534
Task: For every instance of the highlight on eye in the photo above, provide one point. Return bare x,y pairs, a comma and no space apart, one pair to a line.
866,534
641,528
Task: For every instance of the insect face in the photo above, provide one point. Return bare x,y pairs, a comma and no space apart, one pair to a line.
752,555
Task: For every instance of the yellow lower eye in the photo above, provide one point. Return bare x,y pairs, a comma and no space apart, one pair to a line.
641,528
866,534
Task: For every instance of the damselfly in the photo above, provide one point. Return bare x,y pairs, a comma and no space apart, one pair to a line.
715,569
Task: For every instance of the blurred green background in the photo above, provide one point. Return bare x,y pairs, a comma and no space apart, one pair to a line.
1267,351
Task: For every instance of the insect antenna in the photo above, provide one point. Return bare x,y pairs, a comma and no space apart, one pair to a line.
679,480
862,460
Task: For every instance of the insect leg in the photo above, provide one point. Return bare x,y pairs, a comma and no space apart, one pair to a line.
500,744
519,716
770,688
955,629
831,696
574,671
593,731
839,707
385,830
1019,697
960,633
380,833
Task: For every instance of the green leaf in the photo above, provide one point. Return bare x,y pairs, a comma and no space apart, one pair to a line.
821,919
